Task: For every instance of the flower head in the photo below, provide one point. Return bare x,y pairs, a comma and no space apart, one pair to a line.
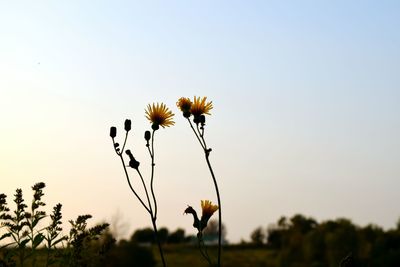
159,115
184,104
200,107
208,209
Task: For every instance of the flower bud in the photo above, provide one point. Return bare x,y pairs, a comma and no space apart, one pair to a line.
113,132
147,135
196,119
128,125
202,119
133,163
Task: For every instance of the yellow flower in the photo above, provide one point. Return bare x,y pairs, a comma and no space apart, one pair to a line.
200,107
159,115
208,209
184,104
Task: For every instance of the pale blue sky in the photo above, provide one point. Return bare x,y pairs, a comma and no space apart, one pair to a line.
306,114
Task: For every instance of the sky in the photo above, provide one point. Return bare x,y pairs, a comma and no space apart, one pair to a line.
306,115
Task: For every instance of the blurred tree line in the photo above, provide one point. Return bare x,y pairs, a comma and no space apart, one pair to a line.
300,241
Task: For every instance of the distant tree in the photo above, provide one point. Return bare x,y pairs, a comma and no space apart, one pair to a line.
300,223
398,224
163,234
129,254
211,231
145,235
258,236
283,223
177,236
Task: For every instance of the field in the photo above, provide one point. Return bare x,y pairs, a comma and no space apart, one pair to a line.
232,256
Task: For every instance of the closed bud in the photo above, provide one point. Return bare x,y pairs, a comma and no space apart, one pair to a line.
133,163
128,125
196,119
202,119
147,135
113,132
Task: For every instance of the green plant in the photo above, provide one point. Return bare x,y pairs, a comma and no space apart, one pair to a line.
80,250
24,233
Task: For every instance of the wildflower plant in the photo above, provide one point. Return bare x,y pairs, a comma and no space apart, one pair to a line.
158,115
197,109
208,210
24,232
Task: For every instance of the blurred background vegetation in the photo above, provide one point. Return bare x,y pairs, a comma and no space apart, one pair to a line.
298,241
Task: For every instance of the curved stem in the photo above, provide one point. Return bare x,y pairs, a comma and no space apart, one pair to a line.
219,208
152,176
130,185
207,155
153,220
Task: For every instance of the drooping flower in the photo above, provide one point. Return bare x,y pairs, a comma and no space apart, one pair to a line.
208,210
159,115
196,223
200,107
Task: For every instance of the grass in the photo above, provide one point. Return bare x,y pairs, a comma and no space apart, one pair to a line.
232,256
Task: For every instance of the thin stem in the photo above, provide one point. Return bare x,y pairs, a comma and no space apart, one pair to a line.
115,149
130,186
203,253
202,136
195,133
152,176
145,189
219,208
158,241
126,137
207,154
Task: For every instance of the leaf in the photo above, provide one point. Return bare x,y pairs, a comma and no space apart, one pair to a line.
37,240
5,236
59,240
23,243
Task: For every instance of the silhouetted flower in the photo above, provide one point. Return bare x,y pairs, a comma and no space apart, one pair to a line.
159,115
184,104
200,107
196,223
208,210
